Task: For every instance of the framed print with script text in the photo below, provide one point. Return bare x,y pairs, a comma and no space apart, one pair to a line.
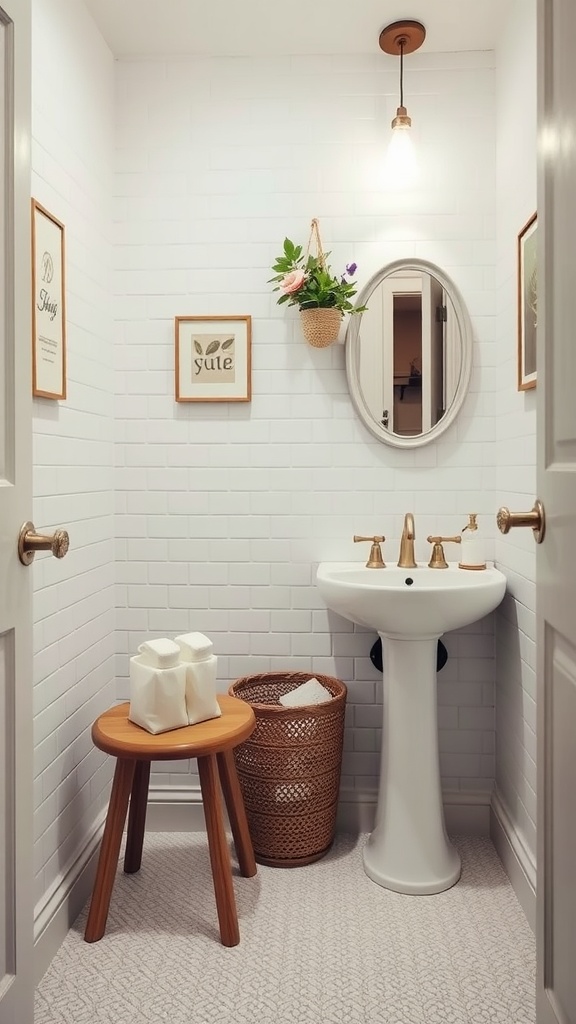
48,305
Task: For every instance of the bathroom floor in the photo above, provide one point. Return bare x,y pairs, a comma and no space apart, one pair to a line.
318,945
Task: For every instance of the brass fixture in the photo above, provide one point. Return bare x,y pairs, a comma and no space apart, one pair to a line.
402,37
399,38
406,557
375,560
535,519
437,559
29,542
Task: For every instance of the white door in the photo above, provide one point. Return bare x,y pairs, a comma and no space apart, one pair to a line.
16,910
395,366
556,561
438,302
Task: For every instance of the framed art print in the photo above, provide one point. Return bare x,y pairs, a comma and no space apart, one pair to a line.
527,305
213,358
48,305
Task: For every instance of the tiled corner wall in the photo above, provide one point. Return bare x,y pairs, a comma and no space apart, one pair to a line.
223,511
516,448
73,443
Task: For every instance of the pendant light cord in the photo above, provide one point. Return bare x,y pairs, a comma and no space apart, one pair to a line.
401,72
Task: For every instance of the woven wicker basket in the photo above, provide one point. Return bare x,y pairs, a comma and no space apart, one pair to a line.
289,768
320,326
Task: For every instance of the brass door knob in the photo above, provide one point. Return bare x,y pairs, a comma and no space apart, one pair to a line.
29,542
535,519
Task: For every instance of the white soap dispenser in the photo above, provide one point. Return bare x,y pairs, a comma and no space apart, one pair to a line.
201,665
472,555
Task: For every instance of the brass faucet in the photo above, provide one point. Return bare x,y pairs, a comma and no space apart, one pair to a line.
437,558
406,558
375,560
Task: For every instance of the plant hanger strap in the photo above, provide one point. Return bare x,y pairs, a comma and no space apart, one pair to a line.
315,236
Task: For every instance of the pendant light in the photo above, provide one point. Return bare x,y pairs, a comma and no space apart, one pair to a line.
401,166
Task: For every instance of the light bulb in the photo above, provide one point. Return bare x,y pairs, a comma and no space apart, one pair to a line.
401,165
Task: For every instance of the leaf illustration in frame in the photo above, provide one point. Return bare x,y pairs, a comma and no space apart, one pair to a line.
213,361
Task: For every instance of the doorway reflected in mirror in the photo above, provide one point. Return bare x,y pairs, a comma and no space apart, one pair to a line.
409,356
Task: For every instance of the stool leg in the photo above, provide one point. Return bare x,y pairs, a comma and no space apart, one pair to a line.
137,818
109,850
219,856
236,812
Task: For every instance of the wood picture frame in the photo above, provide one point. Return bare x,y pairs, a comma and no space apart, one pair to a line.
48,304
527,304
213,358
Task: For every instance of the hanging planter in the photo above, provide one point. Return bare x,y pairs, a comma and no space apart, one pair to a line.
306,281
320,326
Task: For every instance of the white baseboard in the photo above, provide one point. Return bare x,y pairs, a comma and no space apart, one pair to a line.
466,814
56,912
175,810
518,861
180,810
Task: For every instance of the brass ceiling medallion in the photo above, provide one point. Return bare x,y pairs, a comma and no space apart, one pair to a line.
402,36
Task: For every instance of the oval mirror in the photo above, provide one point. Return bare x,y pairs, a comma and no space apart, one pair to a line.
409,356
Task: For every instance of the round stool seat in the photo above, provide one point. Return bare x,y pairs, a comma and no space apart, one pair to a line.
113,733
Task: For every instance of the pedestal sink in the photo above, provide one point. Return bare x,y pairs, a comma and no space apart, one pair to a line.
409,851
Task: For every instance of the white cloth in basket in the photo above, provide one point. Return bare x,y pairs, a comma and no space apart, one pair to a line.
311,692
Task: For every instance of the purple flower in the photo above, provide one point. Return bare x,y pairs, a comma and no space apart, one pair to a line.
351,268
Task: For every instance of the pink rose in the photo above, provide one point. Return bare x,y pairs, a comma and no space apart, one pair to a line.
292,282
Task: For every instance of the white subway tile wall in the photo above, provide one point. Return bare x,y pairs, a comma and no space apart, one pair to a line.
72,150
223,511
516,419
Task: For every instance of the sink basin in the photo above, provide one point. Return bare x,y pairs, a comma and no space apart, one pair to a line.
418,602
409,851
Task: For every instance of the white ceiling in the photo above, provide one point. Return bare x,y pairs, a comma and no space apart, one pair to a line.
267,27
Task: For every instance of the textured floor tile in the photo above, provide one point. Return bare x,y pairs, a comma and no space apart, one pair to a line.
319,945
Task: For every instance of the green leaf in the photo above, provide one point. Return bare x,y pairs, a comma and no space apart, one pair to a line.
198,347
226,344
212,347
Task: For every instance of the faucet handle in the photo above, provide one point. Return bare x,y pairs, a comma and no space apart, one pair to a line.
375,560
437,559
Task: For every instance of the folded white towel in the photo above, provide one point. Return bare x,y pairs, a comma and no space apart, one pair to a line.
311,692
162,653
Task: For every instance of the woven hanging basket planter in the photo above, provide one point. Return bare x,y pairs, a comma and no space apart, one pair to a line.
320,326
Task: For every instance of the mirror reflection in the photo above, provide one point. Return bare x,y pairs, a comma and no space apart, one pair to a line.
409,356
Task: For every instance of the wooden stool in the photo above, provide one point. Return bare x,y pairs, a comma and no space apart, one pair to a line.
212,743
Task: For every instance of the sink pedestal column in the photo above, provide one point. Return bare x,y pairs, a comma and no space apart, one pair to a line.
409,851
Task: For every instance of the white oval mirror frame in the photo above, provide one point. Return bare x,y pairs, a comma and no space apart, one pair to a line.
464,327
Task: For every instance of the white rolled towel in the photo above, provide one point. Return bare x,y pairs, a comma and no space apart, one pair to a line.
311,692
